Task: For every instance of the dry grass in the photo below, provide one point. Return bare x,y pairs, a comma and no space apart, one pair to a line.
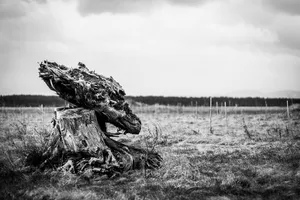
205,109
197,164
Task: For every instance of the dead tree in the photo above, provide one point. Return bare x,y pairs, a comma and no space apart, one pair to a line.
80,140
86,89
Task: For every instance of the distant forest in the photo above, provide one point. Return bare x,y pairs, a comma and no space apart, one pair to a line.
205,101
55,101
31,101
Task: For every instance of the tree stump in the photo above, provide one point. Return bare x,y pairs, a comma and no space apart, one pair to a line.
79,140
78,144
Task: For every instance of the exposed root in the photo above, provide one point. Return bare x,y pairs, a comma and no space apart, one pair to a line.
68,167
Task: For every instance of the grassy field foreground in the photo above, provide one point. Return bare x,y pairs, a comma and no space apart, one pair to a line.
256,156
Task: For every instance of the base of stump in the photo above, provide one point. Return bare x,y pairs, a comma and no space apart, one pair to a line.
77,144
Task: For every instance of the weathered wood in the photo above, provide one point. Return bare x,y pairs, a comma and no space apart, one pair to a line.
80,140
78,143
85,88
124,120
77,137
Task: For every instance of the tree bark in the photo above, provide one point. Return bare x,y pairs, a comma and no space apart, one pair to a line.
80,140
85,88
78,144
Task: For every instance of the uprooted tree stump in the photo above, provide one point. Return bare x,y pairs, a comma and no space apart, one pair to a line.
79,140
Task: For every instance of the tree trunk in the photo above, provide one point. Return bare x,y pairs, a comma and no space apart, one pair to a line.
78,143
87,89
80,140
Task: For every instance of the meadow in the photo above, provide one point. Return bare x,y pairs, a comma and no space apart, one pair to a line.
249,153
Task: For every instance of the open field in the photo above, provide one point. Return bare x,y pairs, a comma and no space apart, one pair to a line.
254,154
202,110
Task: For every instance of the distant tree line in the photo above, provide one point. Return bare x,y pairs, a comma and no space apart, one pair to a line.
205,101
55,101
30,101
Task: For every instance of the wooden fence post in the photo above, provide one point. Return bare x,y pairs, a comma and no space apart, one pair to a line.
226,116
287,109
43,115
210,106
266,106
236,108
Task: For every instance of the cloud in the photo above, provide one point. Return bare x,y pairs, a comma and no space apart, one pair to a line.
128,6
188,2
10,9
112,6
14,9
26,38
176,49
36,1
279,18
291,7
287,28
31,24
263,15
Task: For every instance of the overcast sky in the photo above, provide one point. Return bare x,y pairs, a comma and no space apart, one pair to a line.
154,47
